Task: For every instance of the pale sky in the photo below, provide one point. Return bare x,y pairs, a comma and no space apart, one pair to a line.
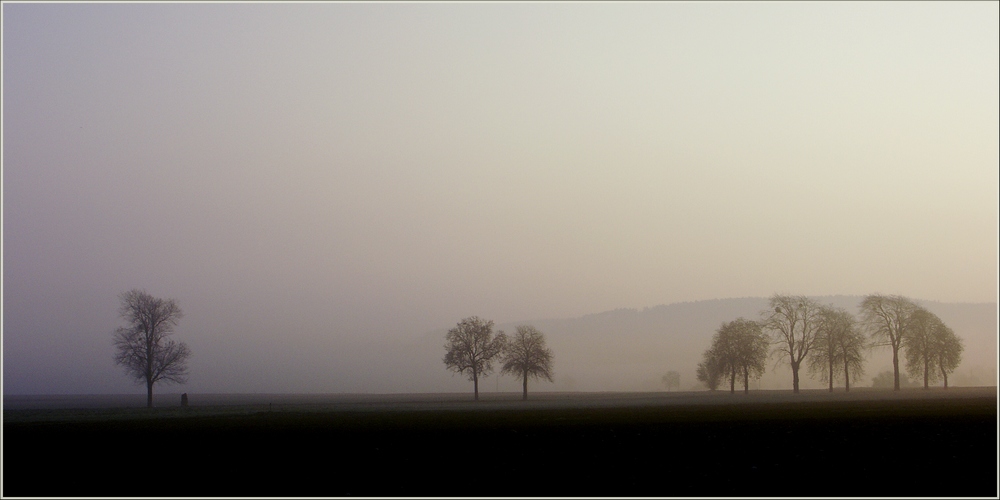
322,176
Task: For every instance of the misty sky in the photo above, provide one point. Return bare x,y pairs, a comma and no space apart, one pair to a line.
313,181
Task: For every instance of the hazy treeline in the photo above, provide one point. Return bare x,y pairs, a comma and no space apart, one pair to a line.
832,343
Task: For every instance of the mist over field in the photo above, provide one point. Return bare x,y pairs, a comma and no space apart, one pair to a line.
326,188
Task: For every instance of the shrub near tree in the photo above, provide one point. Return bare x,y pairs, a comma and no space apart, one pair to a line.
709,372
885,380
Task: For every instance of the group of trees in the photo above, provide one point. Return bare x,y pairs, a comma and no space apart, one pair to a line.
471,349
739,349
832,342
143,347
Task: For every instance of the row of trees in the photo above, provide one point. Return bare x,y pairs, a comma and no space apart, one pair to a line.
831,341
796,328
471,349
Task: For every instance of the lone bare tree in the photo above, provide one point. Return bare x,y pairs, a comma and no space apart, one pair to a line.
794,321
526,355
471,349
839,347
889,320
143,348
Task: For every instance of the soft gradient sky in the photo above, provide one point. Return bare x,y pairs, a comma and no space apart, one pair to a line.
312,181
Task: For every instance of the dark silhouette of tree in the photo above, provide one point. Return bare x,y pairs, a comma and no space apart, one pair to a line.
471,348
709,371
672,380
888,319
918,345
794,321
740,349
525,355
931,348
949,352
143,348
839,347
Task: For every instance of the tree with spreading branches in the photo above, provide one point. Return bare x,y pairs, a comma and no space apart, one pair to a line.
526,356
471,348
143,347
740,349
889,319
794,322
931,349
839,348
949,352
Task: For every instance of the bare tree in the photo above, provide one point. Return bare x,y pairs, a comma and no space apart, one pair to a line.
471,349
752,352
526,355
794,321
931,347
888,319
672,380
851,349
143,348
839,347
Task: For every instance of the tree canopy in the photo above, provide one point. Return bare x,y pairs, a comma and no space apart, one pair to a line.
526,356
794,322
471,349
142,347
888,320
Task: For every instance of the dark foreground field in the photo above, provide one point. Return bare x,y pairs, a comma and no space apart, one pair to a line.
920,445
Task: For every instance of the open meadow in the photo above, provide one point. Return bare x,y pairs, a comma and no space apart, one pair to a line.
766,443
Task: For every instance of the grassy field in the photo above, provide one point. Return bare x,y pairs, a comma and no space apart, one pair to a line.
935,443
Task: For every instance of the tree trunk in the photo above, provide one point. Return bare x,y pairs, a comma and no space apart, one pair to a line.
945,375
149,393
795,377
831,375
847,377
524,387
927,370
746,381
475,383
732,382
895,368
